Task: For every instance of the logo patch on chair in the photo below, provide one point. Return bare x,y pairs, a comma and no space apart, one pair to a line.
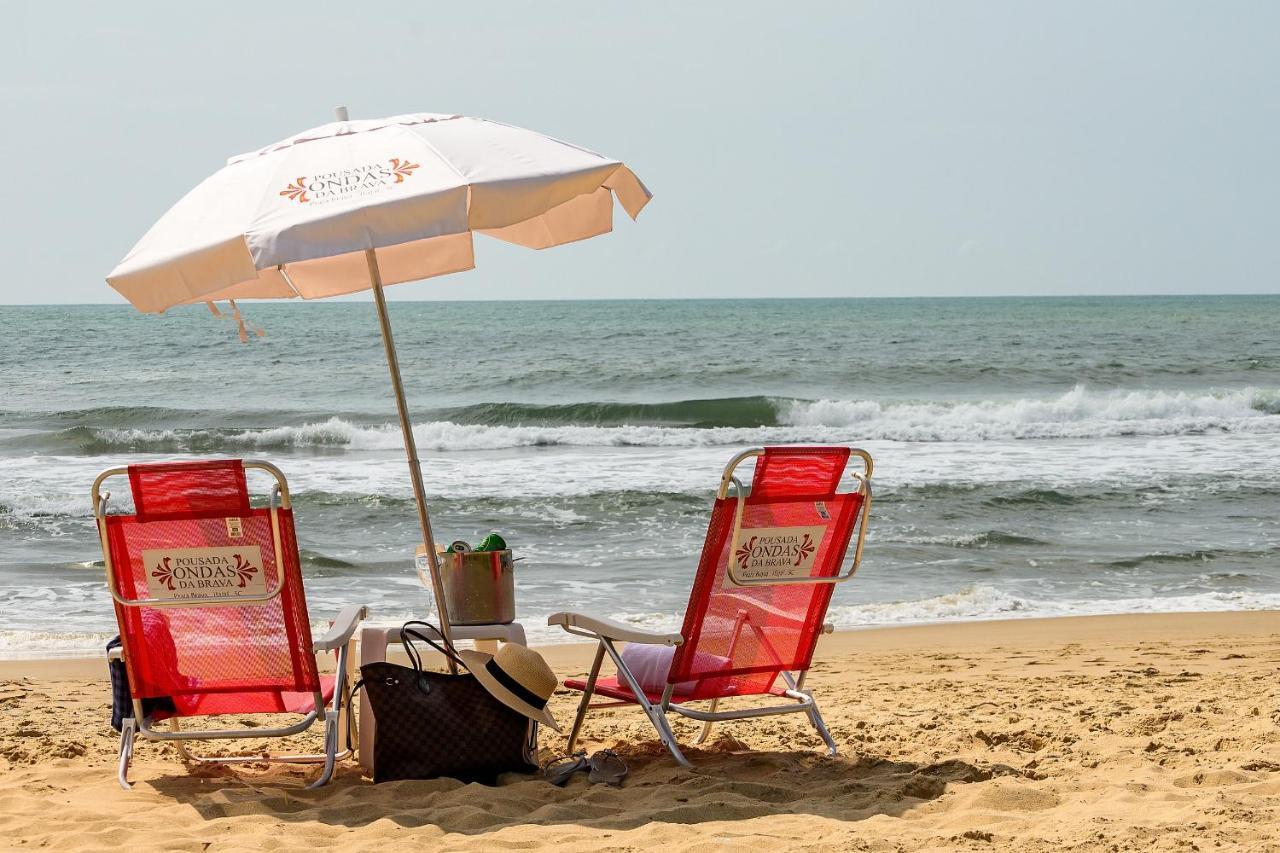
777,552
178,573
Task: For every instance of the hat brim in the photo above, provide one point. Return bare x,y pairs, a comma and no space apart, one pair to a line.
475,663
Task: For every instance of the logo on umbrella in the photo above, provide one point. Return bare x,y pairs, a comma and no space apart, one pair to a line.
297,191
361,180
402,168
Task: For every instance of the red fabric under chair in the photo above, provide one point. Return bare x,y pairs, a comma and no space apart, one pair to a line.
772,555
210,603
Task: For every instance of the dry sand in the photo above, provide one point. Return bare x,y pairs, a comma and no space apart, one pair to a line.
1100,733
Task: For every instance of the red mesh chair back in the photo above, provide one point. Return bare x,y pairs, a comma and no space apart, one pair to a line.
794,524
194,534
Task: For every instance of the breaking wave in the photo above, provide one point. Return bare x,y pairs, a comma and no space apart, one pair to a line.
1079,413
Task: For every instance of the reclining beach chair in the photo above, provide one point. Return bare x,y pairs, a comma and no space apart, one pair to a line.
772,556
213,620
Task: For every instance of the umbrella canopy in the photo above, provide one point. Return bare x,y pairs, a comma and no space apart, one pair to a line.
354,205
295,218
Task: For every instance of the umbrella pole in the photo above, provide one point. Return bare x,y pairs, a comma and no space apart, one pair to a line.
410,448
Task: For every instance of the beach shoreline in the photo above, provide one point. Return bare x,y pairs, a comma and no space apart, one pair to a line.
1145,731
957,634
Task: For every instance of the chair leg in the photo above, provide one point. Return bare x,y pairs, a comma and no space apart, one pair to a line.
586,698
336,719
812,712
128,734
184,754
706,726
663,727
815,717
331,728
657,716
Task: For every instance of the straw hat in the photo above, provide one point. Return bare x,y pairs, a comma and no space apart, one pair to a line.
517,677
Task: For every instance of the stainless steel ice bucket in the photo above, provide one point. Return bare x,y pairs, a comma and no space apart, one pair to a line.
479,587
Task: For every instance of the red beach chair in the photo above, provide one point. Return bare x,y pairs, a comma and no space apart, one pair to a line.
209,599
772,555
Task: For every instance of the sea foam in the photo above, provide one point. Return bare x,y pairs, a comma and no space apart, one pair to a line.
1078,413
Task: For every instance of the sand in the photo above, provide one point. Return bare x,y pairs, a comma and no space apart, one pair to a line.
1099,733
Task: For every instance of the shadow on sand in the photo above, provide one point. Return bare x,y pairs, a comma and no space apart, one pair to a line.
726,785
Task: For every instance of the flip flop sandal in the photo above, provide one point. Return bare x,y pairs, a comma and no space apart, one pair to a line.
560,771
608,768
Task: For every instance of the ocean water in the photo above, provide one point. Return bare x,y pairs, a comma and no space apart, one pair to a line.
1033,456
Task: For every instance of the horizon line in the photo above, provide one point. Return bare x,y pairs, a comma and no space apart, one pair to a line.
347,300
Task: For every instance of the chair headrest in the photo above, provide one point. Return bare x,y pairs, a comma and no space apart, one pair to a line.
784,471
169,490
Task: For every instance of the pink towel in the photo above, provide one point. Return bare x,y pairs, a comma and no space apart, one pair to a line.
651,664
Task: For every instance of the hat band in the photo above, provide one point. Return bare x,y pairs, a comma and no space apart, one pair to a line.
521,692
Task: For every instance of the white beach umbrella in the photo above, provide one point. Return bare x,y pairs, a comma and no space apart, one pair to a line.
356,205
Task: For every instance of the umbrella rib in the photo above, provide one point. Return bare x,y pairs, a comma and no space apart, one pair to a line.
552,138
267,193
289,281
436,151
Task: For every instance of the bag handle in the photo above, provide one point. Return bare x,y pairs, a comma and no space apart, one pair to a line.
415,657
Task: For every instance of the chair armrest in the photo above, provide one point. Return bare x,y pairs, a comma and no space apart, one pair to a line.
344,627
584,625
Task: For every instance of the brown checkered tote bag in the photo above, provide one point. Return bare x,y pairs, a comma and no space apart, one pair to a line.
433,724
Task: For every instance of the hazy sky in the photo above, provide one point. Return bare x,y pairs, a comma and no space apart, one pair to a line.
848,149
